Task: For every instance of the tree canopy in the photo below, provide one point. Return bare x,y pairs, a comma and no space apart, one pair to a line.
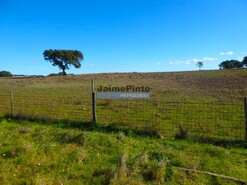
199,64
64,58
233,64
5,74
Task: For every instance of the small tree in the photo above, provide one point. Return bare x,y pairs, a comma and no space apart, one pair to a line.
199,65
5,74
64,58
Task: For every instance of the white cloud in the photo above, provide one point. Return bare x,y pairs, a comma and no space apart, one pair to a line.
208,59
193,61
175,62
227,53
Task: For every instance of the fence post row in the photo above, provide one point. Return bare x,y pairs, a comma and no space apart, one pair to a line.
245,113
94,116
93,102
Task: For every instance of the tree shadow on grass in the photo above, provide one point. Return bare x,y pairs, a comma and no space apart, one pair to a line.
123,128
85,126
224,143
183,134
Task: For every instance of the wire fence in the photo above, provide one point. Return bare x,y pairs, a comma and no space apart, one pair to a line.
200,119
214,120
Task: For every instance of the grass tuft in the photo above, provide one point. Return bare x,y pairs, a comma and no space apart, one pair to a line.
182,133
120,136
120,175
23,130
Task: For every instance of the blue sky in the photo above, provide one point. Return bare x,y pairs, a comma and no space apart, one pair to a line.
122,35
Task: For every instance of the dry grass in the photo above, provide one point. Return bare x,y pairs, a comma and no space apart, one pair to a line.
208,84
69,98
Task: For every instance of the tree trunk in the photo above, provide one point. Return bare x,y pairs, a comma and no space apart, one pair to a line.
64,73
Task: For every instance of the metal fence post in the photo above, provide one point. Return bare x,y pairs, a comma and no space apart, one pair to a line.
12,103
245,112
93,102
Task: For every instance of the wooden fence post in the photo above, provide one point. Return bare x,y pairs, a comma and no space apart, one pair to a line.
93,102
245,112
12,103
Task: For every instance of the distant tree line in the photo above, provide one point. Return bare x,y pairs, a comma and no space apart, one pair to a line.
233,64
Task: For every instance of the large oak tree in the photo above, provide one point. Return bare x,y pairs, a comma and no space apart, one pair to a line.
64,58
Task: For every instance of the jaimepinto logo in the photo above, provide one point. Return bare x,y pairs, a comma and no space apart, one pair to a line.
127,88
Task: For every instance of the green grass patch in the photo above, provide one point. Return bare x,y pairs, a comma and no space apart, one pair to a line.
49,153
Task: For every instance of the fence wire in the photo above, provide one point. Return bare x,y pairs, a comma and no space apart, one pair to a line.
214,120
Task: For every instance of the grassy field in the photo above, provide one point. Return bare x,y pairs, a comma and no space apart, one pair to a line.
133,141
60,153
220,85
207,103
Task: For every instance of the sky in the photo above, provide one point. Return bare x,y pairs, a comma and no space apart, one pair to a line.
122,35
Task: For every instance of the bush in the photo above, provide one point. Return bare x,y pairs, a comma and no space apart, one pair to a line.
57,74
53,74
5,74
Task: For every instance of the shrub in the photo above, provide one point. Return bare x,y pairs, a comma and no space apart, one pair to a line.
55,74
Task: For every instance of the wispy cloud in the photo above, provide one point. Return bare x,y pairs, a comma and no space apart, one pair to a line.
193,61
227,53
244,53
101,67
